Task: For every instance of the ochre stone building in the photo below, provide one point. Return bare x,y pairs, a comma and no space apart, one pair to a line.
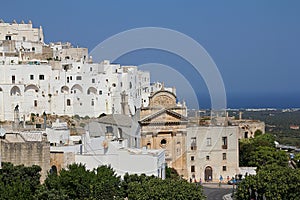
163,126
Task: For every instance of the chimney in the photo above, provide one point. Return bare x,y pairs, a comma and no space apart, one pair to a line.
45,119
124,103
16,117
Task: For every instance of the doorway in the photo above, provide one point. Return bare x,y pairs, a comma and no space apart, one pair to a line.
208,174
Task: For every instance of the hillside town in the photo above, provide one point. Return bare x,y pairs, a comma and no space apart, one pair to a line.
57,108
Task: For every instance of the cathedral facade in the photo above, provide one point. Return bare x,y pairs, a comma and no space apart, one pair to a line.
163,126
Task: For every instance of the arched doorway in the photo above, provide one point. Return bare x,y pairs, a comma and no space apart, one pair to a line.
208,174
53,170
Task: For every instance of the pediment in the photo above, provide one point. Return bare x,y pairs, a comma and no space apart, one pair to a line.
164,116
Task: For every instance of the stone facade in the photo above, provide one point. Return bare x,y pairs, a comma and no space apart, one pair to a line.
212,152
60,160
163,126
17,150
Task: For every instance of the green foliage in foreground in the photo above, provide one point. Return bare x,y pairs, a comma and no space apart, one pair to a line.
76,182
260,151
274,179
19,182
271,182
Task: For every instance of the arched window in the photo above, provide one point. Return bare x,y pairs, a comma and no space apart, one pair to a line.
76,88
148,145
65,89
92,90
15,91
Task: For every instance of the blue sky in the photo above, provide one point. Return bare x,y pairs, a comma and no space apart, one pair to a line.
255,44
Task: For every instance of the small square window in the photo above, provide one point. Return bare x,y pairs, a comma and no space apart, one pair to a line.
224,156
224,168
207,157
41,77
31,77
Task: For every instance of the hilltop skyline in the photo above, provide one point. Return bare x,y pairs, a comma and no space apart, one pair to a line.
254,44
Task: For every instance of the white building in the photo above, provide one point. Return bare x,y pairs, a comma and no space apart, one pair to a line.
94,152
20,32
58,134
60,79
116,127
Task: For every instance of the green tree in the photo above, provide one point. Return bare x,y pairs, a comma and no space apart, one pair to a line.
246,148
76,182
263,156
249,146
297,159
257,133
271,182
19,182
153,188
265,140
106,184
172,173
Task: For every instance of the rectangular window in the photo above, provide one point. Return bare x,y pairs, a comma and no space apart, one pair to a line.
193,143
207,157
100,92
68,102
224,156
78,78
91,69
93,80
192,158
35,103
13,79
224,142
208,141
224,168
31,77
193,168
41,77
